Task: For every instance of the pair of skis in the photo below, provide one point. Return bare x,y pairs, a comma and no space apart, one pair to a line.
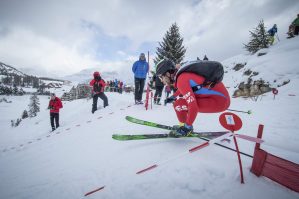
202,135
205,135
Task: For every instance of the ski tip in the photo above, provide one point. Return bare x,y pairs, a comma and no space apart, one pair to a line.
120,137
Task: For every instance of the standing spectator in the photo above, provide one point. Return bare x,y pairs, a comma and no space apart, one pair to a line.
140,69
54,106
107,87
116,85
158,85
167,91
272,33
205,58
111,86
98,85
120,87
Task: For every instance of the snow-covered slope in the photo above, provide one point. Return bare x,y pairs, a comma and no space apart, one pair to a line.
278,65
81,155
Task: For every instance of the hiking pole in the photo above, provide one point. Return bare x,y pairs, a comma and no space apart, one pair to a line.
248,112
277,38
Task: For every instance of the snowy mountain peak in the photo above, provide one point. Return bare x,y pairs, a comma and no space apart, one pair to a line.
9,70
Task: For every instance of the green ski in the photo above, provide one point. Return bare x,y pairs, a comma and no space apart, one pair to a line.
202,135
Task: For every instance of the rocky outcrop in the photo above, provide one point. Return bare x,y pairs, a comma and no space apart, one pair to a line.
251,89
239,66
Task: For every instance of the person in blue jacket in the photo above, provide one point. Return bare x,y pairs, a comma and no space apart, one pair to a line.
272,33
140,69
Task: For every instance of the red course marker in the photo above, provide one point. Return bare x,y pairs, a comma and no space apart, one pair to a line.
230,121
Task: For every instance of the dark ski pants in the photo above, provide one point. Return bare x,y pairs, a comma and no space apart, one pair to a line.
95,101
167,94
56,117
139,86
158,94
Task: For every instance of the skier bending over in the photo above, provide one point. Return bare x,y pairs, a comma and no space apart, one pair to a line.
98,85
199,90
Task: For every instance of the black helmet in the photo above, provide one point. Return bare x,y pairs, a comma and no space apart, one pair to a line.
165,65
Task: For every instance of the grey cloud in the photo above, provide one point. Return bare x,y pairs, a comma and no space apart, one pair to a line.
213,27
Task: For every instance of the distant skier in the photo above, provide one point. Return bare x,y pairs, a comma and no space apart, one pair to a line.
294,28
205,58
140,69
54,106
195,92
272,33
98,86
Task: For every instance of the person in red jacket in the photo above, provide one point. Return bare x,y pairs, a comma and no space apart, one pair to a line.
54,106
199,90
98,86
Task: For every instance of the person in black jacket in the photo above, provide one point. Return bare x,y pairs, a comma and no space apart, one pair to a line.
159,88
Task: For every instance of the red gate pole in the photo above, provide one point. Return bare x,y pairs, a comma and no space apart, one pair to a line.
239,159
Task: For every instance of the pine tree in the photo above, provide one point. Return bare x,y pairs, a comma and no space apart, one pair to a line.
15,90
18,121
172,46
33,106
25,114
259,39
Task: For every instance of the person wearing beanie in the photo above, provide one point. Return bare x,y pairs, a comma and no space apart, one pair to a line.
54,106
140,69
98,87
199,90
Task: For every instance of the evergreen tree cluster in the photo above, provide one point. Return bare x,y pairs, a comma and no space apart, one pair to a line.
259,39
18,80
8,90
172,46
34,107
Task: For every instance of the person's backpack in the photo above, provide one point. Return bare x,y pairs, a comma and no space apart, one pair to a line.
212,71
97,87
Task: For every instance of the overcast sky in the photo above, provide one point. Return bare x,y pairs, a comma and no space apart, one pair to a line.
66,36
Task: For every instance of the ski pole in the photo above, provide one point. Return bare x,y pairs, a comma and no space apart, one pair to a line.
226,147
248,112
277,37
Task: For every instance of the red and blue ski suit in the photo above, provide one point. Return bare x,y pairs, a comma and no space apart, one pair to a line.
204,100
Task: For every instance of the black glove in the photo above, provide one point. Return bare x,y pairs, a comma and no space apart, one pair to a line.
50,107
169,100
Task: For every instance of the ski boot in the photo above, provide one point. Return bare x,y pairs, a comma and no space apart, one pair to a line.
181,130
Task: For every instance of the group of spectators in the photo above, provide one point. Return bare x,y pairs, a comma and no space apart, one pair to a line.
114,86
